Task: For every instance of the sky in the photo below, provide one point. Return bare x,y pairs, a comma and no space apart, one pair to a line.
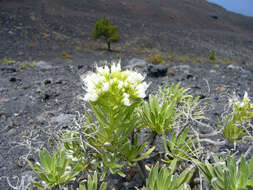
244,7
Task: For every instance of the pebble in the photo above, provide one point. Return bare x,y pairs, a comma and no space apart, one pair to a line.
13,79
11,132
47,81
181,67
44,65
136,64
236,67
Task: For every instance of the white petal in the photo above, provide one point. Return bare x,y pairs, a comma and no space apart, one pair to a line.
115,67
126,101
105,86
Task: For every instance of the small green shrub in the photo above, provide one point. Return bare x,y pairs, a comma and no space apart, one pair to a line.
182,147
54,171
235,124
156,59
212,56
27,64
185,103
158,115
226,174
166,179
103,28
92,184
7,61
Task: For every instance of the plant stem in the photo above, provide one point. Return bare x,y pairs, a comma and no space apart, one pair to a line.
153,137
143,171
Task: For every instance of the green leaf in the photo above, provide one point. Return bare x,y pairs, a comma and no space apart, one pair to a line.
145,154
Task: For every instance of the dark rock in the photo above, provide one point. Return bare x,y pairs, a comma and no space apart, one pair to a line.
215,17
49,94
47,81
202,96
21,163
189,76
80,67
157,70
9,69
13,79
60,81
46,97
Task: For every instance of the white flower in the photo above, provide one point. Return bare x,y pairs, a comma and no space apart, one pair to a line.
116,67
91,96
246,97
103,70
126,100
134,77
141,89
120,85
114,80
105,86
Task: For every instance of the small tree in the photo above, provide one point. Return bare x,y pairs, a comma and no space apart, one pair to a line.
104,29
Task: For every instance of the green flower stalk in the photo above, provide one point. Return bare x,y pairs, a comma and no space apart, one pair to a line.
235,125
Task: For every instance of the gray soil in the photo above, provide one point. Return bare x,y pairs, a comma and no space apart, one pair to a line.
34,101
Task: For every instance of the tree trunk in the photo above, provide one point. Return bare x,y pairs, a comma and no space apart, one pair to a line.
109,45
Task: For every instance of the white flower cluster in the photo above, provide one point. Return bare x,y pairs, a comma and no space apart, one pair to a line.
240,104
127,84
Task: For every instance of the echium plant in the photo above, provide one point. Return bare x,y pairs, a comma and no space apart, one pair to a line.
113,96
235,124
167,178
225,173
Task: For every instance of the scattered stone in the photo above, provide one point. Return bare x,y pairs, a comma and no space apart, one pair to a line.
236,67
202,96
13,79
11,132
171,73
44,65
215,17
59,81
189,76
2,117
80,67
46,97
9,69
47,81
157,70
221,89
181,68
136,64
4,100
21,162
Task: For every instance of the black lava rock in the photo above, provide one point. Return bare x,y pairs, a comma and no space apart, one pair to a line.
157,70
